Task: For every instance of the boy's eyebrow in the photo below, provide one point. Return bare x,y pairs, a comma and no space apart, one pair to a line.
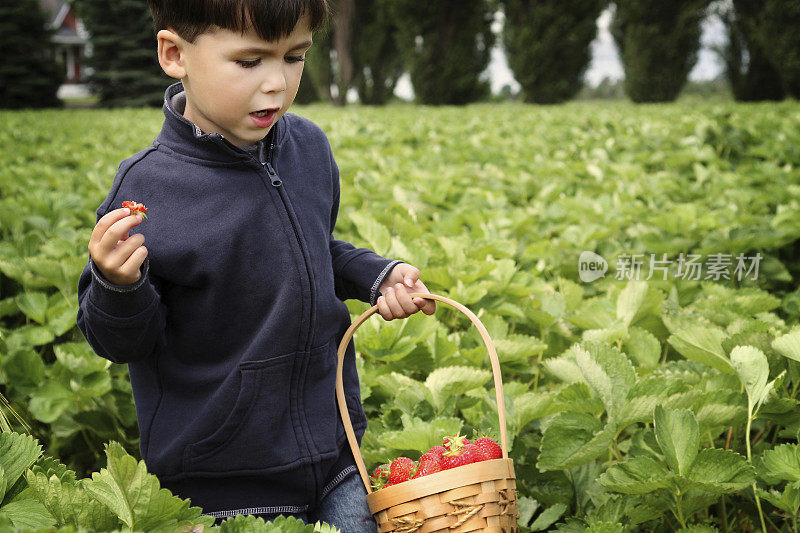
261,50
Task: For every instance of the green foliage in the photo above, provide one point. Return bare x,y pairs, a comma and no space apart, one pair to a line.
548,45
496,219
29,75
658,44
124,59
456,40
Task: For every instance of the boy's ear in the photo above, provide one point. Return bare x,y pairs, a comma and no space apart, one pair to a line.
170,53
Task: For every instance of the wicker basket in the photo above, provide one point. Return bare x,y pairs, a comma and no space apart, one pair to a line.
476,497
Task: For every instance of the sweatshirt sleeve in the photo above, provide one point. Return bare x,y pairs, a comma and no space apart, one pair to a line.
357,272
122,323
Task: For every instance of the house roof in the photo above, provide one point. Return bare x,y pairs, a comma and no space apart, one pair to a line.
56,11
66,31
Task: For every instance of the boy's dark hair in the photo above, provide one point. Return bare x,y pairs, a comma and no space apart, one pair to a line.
271,19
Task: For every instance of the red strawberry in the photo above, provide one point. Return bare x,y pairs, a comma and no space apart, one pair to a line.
427,465
135,208
489,448
471,454
380,476
454,460
401,470
436,451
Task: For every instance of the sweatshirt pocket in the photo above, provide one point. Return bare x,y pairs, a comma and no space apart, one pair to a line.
319,398
258,434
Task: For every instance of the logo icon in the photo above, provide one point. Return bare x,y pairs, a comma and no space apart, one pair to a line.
591,267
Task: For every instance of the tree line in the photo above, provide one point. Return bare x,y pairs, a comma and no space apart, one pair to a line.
444,45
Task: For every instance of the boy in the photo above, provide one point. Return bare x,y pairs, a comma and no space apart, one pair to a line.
230,318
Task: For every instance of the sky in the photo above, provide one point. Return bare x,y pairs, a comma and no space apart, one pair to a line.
605,58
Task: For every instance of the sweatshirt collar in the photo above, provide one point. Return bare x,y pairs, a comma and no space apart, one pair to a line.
184,137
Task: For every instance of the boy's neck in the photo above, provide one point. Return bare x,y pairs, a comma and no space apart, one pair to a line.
179,104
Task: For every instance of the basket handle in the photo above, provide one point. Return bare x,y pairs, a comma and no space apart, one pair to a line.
348,425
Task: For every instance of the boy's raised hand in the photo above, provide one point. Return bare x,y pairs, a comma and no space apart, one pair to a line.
116,255
395,301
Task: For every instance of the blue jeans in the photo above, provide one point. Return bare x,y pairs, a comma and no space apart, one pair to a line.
344,507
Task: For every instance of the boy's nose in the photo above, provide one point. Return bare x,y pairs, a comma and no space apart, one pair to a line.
274,81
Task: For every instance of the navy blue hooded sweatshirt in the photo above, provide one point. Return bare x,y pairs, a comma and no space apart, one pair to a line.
231,333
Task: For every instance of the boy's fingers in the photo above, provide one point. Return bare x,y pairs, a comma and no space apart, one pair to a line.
106,221
411,277
394,306
426,305
131,267
383,309
123,251
408,307
114,234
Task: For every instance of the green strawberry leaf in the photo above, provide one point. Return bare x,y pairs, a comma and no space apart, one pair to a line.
69,504
678,436
135,496
720,471
17,453
452,381
783,462
27,515
630,300
703,345
753,370
573,439
788,500
639,475
788,345
608,371
643,347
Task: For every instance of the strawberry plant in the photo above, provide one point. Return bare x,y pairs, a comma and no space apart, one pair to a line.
496,218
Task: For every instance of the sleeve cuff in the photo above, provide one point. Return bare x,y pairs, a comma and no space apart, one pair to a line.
374,293
121,300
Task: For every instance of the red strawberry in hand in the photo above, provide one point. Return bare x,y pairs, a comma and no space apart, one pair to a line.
135,208
489,448
401,470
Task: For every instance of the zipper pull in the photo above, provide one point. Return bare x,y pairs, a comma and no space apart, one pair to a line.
273,176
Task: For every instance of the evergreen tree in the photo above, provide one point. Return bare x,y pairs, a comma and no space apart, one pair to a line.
378,66
548,44
29,74
752,75
315,84
125,61
778,35
658,42
446,46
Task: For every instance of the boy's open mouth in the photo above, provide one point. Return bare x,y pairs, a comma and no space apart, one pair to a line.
264,112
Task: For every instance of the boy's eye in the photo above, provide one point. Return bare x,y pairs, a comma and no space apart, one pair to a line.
295,59
248,63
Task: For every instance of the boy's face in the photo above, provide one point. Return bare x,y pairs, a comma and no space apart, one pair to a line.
231,78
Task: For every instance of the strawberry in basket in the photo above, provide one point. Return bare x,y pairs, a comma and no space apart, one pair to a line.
455,451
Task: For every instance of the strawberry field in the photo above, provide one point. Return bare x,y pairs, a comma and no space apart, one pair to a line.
637,268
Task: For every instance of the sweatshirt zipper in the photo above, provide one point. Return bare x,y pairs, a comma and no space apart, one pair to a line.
276,182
